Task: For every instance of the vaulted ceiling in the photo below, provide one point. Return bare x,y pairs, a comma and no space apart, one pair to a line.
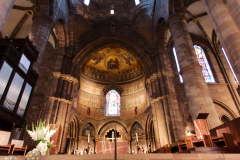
137,18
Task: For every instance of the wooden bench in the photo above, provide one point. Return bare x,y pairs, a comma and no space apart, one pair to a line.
19,149
4,145
6,148
18,146
225,141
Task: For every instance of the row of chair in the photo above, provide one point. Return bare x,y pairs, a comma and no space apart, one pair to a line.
14,147
222,140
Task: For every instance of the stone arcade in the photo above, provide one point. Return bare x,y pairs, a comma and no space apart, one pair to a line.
152,67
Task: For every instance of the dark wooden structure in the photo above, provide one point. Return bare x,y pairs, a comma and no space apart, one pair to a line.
12,52
20,149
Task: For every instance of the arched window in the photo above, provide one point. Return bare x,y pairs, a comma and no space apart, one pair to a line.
225,119
113,103
207,73
230,65
178,68
86,2
137,2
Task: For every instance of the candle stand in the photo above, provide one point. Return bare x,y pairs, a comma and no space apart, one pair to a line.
88,148
137,146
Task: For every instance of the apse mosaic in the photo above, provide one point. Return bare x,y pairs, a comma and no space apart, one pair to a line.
207,73
135,101
137,129
113,104
112,63
133,89
88,129
91,102
90,88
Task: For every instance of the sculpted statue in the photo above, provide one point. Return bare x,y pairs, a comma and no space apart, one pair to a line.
127,75
135,73
123,76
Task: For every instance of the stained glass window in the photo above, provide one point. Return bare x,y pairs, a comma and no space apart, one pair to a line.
113,103
207,73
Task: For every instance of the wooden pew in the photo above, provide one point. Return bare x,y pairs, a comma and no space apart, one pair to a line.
18,146
4,146
225,141
186,144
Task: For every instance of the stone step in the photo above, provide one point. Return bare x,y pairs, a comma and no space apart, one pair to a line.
155,156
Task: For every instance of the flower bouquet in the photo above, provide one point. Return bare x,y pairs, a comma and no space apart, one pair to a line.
41,133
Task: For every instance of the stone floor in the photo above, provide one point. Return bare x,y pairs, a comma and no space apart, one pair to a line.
166,156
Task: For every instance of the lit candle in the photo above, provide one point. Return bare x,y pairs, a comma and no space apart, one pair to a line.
88,137
136,137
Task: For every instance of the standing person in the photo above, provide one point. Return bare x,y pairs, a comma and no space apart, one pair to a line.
91,152
139,150
142,150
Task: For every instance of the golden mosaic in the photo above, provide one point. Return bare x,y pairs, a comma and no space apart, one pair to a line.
112,63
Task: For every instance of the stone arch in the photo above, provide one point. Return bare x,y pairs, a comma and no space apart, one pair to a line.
122,123
61,32
176,6
132,125
226,108
160,35
45,6
137,13
112,86
149,132
69,2
224,116
111,125
84,124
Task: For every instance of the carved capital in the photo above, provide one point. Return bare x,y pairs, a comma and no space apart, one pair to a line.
190,66
44,19
148,81
176,17
56,74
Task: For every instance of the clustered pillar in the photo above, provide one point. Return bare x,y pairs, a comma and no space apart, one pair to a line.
226,29
196,89
40,32
5,8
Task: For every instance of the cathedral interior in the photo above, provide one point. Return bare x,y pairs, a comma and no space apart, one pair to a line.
148,69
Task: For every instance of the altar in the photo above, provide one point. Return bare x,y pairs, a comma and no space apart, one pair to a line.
109,147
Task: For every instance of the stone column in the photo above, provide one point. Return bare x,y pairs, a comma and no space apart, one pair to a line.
41,29
65,130
5,8
156,125
69,146
50,108
129,145
234,9
95,146
52,94
226,29
196,89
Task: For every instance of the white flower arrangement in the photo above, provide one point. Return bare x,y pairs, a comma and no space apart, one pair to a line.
41,133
